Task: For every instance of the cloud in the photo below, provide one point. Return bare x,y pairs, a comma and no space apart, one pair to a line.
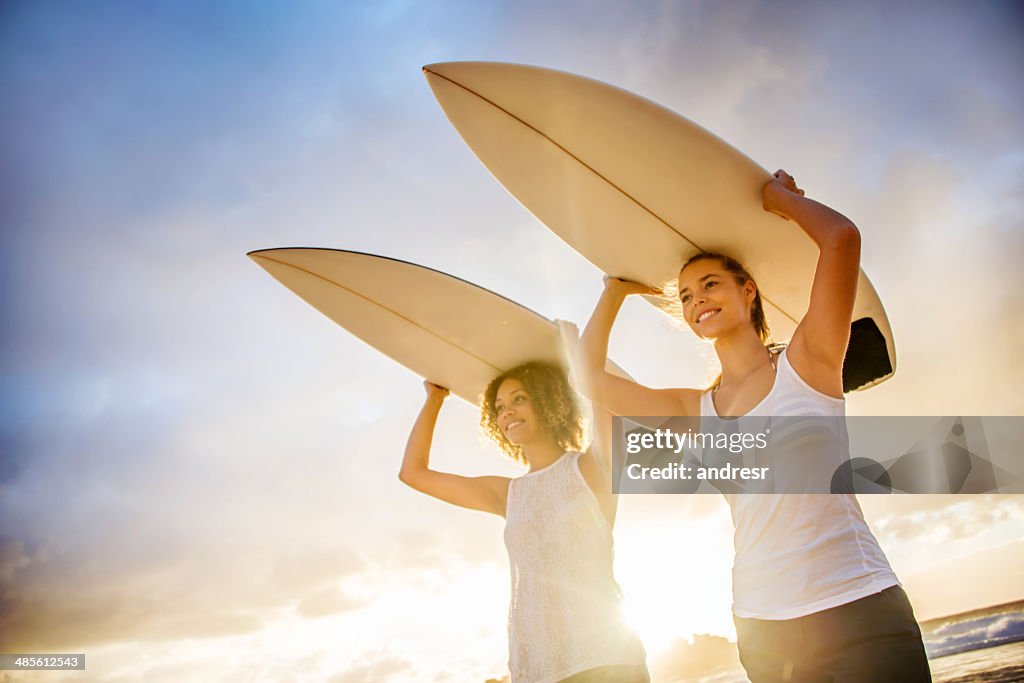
954,518
988,577
144,552
330,600
195,595
380,667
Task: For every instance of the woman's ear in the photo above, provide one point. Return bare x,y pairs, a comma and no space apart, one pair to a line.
749,291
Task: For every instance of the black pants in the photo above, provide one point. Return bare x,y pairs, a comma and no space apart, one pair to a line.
872,640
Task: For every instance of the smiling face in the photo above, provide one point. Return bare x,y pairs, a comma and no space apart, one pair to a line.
514,411
531,402
715,302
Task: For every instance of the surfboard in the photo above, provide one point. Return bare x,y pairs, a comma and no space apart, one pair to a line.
637,189
447,330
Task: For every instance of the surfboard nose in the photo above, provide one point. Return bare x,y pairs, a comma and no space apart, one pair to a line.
437,68
441,67
467,72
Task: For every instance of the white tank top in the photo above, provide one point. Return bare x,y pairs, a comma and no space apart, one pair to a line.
797,554
565,616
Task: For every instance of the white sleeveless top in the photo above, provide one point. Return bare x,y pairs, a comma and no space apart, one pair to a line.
797,554
565,616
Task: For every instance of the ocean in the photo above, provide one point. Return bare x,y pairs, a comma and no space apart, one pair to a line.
984,645
1000,664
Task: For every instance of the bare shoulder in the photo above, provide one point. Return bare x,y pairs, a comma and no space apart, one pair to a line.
689,401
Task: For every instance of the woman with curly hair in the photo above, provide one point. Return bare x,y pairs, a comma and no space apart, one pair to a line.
565,622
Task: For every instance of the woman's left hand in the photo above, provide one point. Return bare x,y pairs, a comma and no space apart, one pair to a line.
570,335
777,190
569,332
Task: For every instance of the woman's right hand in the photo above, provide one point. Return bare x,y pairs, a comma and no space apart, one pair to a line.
434,390
628,287
778,191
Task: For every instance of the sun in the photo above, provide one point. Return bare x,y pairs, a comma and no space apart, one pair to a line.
676,578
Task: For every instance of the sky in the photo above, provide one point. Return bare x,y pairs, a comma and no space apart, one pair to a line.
198,473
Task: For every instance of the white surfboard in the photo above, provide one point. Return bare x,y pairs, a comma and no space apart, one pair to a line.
446,330
637,189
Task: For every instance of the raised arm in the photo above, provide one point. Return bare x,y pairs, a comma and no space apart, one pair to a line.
488,494
596,464
619,395
820,340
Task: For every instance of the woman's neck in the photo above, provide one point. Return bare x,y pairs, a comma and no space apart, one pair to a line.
740,354
542,453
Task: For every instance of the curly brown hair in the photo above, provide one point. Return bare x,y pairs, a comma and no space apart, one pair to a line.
554,402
